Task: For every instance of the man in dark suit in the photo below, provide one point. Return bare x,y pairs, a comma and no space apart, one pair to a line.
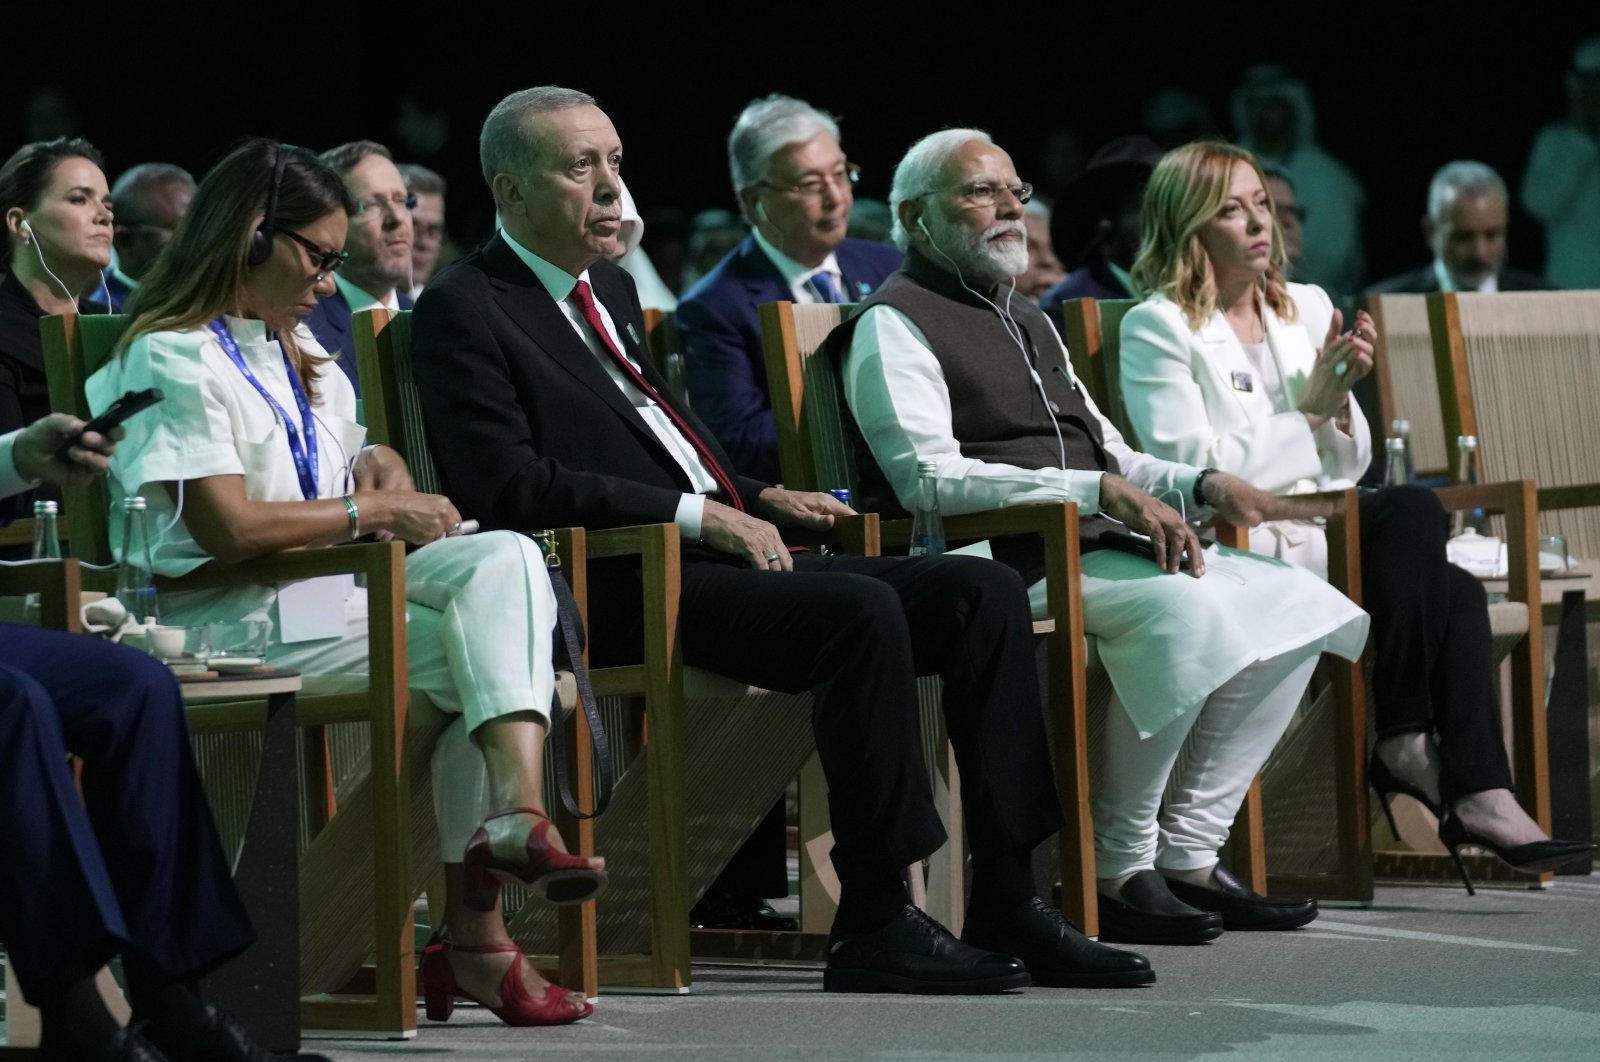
543,411
147,201
1465,227
132,866
795,188
378,271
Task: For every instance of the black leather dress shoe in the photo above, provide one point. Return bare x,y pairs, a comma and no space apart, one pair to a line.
1146,912
1239,907
125,1046
721,910
215,1036
1056,953
914,953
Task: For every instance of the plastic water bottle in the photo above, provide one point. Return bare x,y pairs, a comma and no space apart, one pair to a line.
927,526
1396,462
136,578
1400,428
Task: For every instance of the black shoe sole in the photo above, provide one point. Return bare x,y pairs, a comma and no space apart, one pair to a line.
1121,979
1202,934
1258,925
877,981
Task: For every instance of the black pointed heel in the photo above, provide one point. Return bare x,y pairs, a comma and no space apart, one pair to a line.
1535,857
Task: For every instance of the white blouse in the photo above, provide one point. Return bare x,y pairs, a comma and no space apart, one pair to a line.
213,422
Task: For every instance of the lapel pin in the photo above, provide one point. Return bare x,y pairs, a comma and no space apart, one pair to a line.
633,335
1242,382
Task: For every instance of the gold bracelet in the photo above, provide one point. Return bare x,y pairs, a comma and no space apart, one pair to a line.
354,514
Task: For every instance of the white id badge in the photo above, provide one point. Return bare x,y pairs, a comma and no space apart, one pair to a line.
313,609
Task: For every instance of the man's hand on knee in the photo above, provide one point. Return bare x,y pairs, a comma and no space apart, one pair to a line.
750,538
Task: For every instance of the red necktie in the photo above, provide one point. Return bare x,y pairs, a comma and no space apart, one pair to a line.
585,300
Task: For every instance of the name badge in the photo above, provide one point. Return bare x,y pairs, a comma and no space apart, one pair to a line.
1243,382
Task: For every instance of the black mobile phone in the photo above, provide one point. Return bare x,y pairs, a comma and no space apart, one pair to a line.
114,414
1138,545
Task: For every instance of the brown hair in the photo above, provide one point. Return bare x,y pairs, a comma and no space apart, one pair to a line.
1188,187
199,275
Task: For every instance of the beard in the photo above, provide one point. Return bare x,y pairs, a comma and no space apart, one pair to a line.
980,255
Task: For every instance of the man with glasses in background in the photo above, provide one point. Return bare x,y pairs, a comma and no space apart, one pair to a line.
795,188
147,202
427,223
378,269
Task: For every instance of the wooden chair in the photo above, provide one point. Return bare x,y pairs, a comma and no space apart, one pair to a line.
695,725
1408,387
1520,371
1331,864
350,908
814,454
1092,328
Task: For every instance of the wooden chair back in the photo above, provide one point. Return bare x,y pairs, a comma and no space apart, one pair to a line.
1092,330
1408,385
1521,371
808,407
75,348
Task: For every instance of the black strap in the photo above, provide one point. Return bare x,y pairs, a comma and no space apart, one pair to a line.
572,640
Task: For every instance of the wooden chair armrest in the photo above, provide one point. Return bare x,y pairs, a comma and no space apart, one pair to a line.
1578,496
1490,497
1518,500
628,541
1043,518
361,559
859,534
58,584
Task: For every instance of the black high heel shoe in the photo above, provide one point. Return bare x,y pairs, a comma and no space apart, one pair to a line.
1386,783
1535,857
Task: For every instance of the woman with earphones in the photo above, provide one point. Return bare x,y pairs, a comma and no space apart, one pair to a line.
57,211
1226,364
254,450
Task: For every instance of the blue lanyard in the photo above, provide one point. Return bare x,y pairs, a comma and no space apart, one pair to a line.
305,455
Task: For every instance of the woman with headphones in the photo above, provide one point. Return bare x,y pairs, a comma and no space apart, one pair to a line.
255,450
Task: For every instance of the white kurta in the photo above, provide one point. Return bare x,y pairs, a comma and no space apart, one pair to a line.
1198,397
480,608
1166,641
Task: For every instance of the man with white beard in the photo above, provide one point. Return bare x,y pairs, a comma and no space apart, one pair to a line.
945,363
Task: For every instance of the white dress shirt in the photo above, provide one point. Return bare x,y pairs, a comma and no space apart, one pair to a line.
361,299
1488,286
11,480
797,276
561,284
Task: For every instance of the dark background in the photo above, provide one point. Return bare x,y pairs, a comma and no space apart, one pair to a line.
1397,94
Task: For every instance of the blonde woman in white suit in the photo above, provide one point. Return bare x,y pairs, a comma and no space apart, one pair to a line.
1226,364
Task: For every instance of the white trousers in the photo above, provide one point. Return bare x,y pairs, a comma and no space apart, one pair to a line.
1233,730
480,619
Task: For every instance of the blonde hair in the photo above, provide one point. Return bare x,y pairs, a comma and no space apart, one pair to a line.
1188,188
200,274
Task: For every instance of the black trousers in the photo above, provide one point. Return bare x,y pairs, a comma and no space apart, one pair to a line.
134,867
856,632
1432,650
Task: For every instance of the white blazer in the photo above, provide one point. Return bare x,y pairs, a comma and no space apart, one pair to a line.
1193,396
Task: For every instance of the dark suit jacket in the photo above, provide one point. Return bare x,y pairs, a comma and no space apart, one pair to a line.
330,323
1424,281
722,342
527,429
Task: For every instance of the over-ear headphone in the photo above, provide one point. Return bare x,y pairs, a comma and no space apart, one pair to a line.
261,239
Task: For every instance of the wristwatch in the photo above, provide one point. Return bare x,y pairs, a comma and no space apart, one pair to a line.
1199,482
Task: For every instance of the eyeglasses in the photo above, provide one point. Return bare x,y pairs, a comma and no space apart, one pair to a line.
986,193
325,261
388,204
816,186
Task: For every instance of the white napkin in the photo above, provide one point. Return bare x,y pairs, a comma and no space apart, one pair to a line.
1483,556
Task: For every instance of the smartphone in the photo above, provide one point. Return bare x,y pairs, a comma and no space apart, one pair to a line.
1139,546
116,413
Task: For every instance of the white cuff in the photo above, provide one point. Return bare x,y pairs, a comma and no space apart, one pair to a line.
11,480
691,511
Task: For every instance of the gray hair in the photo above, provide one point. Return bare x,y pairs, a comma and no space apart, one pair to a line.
505,145
131,185
1456,179
347,157
421,180
913,174
765,127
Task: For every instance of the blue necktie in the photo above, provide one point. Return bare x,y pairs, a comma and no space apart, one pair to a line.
822,282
